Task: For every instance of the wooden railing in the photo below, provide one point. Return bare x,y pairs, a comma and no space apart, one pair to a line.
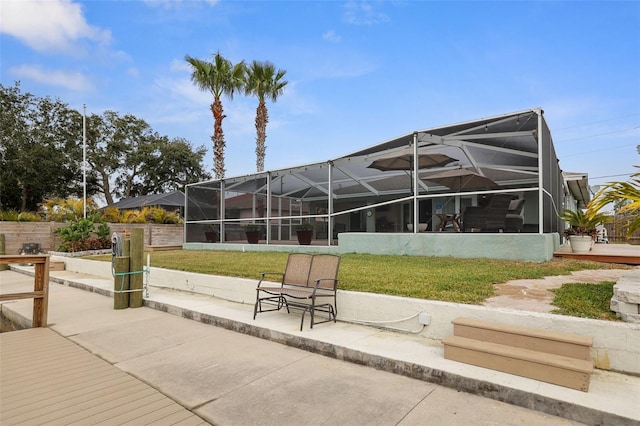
40,293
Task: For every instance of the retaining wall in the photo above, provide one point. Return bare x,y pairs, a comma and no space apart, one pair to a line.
616,345
18,233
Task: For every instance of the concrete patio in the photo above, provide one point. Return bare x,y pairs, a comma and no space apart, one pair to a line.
136,342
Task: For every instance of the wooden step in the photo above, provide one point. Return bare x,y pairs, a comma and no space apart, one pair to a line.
56,265
547,341
551,368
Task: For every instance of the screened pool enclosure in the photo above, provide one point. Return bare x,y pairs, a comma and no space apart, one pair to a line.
434,178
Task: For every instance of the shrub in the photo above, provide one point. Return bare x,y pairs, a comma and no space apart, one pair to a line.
60,210
9,215
28,217
76,236
159,215
15,216
304,227
111,214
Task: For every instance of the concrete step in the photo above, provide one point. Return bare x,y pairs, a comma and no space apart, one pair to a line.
546,341
551,368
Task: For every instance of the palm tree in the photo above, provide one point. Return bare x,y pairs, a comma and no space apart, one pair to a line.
219,77
627,193
263,81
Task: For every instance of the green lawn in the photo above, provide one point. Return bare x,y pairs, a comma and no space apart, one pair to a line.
585,300
436,278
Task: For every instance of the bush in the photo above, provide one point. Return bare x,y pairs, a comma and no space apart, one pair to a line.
14,216
28,217
9,215
77,236
60,210
111,214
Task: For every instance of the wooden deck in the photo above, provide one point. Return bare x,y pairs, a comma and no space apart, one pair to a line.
47,379
608,253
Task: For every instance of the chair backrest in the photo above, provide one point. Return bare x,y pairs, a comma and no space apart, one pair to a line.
297,270
515,206
324,266
500,201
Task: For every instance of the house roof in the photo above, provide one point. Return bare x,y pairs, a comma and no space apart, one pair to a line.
578,186
172,199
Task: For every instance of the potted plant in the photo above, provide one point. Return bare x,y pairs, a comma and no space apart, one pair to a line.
582,230
211,234
252,231
304,231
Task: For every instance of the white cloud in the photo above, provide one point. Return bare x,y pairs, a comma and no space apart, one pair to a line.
363,13
332,36
180,65
70,80
133,72
183,90
176,4
52,25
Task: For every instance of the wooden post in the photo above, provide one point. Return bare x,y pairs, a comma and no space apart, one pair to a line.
136,266
126,248
41,284
40,293
3,248
121,282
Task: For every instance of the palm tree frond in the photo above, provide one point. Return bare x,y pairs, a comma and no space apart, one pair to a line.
616,192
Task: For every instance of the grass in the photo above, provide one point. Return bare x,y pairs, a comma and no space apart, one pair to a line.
585,300
447,279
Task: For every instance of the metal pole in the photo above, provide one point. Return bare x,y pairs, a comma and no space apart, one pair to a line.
541,171
268,215
416,213
330,205
84,160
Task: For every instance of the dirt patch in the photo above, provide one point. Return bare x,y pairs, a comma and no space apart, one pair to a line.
534,295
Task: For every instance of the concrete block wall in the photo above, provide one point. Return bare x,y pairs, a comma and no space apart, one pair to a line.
154,234
18,233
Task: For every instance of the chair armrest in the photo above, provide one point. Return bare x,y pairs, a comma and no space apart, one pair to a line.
317,284
264,274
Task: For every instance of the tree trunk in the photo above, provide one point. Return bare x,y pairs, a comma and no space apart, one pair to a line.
25,195
262,118
105,186
218,139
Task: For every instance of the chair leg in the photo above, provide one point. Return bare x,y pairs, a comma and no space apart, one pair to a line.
335,307
312,311
304,311
255,307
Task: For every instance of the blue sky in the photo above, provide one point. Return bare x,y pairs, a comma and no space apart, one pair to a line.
359,73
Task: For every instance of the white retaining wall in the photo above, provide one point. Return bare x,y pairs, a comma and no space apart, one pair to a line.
616,345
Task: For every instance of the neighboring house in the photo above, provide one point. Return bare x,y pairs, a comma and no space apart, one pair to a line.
170,201
577,192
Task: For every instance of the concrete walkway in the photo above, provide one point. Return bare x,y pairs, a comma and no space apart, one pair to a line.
230,378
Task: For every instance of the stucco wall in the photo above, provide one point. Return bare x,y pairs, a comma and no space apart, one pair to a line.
531,247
